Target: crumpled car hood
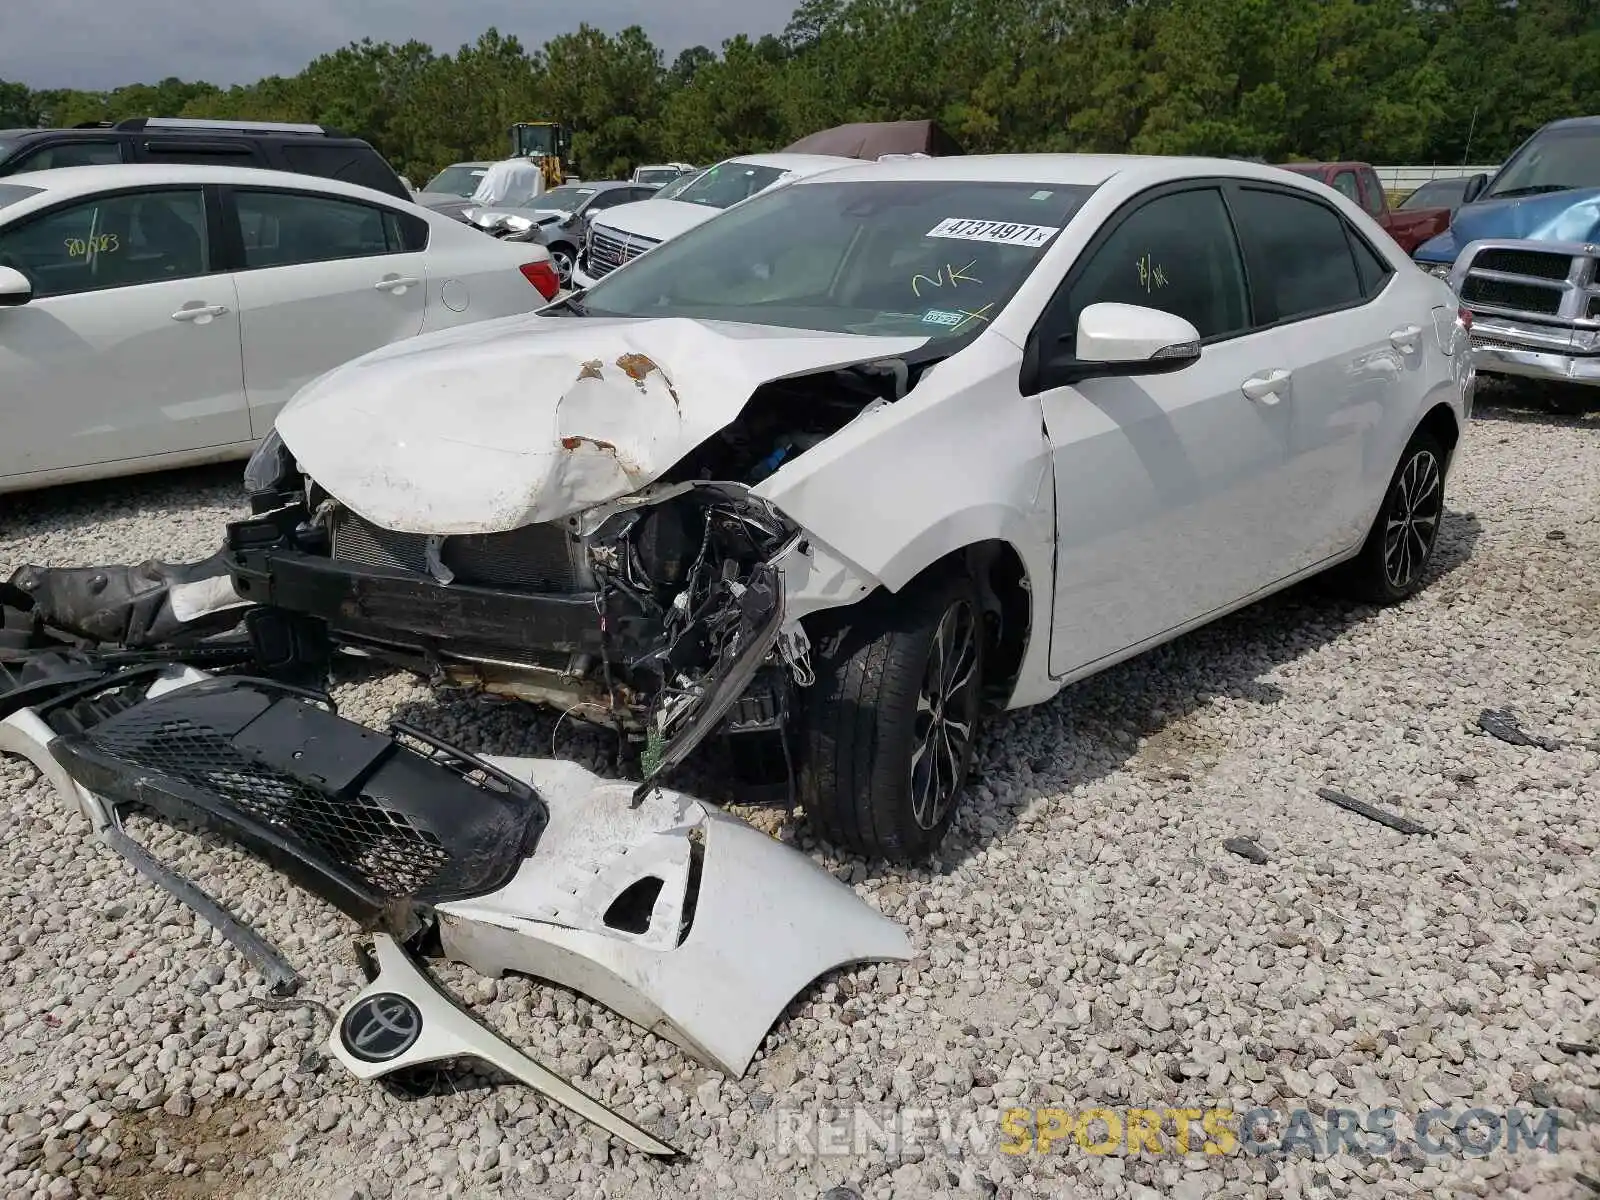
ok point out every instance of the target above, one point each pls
(1570, 216)
(527, 419)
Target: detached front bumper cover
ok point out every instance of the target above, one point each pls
(679, 917)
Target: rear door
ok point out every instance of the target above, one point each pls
(1318, 290)
(130, 345)
(323, 279)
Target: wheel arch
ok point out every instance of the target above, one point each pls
(1440, 423)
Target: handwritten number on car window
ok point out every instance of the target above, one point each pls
(87, 248)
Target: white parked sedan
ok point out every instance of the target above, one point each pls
(156, 316)
(874, 455)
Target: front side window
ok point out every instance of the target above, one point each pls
(1556, 160)
(935, 258)
(1300, 259)
(725, 184)
(283, 229)
(1176, 253)
(113, 241)
(71, 154)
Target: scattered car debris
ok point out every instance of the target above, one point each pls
(1578, 1047)
(1245, 848)
(1500, 723)
(675, 915)
(1373, 813)
(1556, 535)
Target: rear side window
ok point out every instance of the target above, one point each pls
(69, 154)
(202, 152)
(360, 165)
(1299, 256)
(1176, 253)
(284, 229)
(1371, 193)
(1370, 265)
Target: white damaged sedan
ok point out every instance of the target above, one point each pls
(874, 455)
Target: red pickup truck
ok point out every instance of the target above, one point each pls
(1360, 182)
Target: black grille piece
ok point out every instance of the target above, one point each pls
(1538, 263)
(535, 558)
(1517, 297)
(359, 817)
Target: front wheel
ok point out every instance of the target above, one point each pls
(891, 722)
(562, 256)
(1394, 559)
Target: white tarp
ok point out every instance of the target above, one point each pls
(514, 181)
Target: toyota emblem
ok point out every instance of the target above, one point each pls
(381, 1027)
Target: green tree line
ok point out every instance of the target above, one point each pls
(1386, 81)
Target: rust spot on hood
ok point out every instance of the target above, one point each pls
(637, 366)
(591, 370)
(572, 443)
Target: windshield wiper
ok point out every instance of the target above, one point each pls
(1536, 189)
(571, 304)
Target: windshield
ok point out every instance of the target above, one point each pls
(728, 183)
(661, 175)
(10, 193)
(563, 199)
(924, 257)
(674, 189)
(1441, 193)
(459, 180)
(1554, 161)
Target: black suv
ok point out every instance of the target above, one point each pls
(303, 149)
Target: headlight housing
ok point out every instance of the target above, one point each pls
(271, 468)
(1438, 270)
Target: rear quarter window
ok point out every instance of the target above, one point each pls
(356, 164)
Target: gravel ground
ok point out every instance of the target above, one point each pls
(1086, 941)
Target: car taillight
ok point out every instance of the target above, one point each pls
(543, 276)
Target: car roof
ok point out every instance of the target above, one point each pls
(1574, 123)
(61, 183)
(791, 162)
(1088, 170)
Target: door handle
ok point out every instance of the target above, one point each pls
(1266, 387)
(396, 283)
(1405, 339)
(200, 314)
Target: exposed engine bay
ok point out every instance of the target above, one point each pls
(660, 614)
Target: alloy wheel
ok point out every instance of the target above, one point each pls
(947, 711)
(563, 262)
(1411, 524)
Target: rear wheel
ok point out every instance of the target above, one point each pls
(562, 256)
(891, 722)
(1394, 560)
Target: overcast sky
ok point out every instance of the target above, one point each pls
(102, 43)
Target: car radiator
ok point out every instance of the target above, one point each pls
(535, 558)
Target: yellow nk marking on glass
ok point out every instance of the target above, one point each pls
(954, 275)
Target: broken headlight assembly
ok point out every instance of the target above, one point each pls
(271, 469)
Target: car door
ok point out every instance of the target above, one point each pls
(1317, 288)
(129, 346)
(1167, 486)
(324, 278)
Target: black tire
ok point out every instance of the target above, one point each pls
(1569, 400)
(1393, 563)
(866, 735)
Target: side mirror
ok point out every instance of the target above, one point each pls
(1129, 339)
(15, 288)
(1475, 187)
